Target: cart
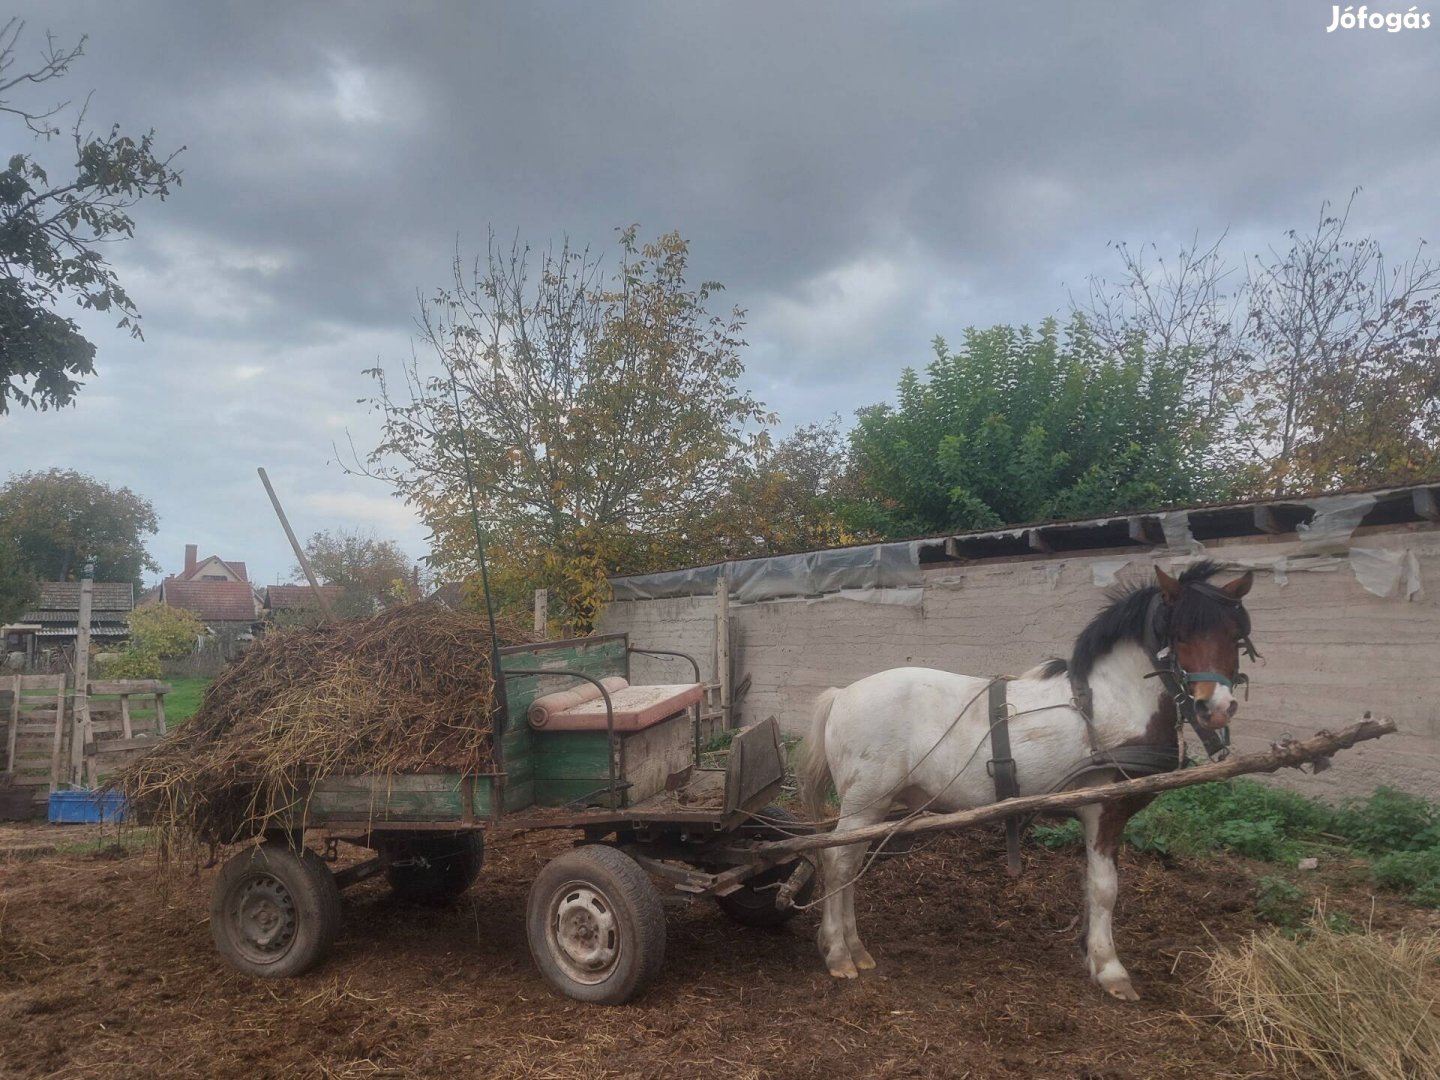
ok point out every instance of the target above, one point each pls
(623, 768)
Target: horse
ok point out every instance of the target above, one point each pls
(921, 739)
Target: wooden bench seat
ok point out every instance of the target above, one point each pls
(635, 707)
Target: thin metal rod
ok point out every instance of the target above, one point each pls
(500, 715)
(295, 546)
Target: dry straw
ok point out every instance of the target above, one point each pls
(407, 691)
(1346, 1005)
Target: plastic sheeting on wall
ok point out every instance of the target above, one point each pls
(1336, 517)
(1386, 573)
(808, 574)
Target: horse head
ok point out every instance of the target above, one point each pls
(1205, 628)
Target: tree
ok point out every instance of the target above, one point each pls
(52, 232)
(1321, 366)
(18, 586)
(601, 416)
(374, 573)
(59, 519)
(157, 632)
(796, 495)
(1022, 426)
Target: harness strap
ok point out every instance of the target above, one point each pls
(1001, 767)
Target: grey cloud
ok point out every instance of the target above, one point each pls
(981, 155)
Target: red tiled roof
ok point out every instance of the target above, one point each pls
(212, 601)
(281, 597)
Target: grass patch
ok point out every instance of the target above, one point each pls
(183, 701)
(1397, 833)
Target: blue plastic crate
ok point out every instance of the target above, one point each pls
(86, 807)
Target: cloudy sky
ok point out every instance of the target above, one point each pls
(861, 177)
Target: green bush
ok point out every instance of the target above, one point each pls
(1390, 820)
(1239, 816)
(133, 663)
(1416, 873)
(1278, 902)
(1065, 834)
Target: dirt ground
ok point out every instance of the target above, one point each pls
(103, 975)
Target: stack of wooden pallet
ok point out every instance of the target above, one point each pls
(54, 739)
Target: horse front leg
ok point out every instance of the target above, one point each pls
(1103, 828)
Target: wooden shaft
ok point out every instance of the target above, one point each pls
(1279, 756)
(722, 652)
(295, 545)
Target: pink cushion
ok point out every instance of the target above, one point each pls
(543, 708)
(635, 708)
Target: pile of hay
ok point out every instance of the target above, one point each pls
(407, 691)
(1347, 1005)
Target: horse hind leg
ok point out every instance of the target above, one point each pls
(839, 938)
(1102, 835)
(858, 953)
(833, 938)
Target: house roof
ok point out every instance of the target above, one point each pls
(447, 594)
(105, 596)
(282, 597)
(211, 601)
(234, 566)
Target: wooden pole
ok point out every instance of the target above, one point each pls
(295, 546)
(542, 613)
(722, 652)
(80, 712)
(1279, 756)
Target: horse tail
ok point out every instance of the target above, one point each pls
(814, 767)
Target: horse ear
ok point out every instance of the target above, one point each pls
(1169, 587)
(1241, 585)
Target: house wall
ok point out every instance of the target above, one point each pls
(1331, 650)
(214, 567)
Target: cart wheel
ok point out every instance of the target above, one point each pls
(596, 927)
(753, 904)
(430, 869)
(275, 911)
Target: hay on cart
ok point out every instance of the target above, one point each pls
(407, 691)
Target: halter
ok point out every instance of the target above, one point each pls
(1178, 681)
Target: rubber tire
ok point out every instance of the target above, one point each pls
(633, 902)
(311, 888)
(751, 907)
(455, 861)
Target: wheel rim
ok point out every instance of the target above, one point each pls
(263, 921)
(584, 932)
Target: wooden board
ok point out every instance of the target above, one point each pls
(427, 797)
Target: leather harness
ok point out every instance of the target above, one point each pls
(1130, 761)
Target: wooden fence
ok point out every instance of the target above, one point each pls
(56, 738)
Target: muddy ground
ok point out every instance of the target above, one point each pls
(102, 975)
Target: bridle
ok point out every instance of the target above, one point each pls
(1160, 647)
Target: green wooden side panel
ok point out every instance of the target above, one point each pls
(519, 796)
(528, 754)
(428, 797)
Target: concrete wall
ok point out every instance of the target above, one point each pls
(1331, 649)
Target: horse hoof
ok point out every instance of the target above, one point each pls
(864, 961)
(845, 971)
(1122, 990)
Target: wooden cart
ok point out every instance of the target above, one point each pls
(630, 778)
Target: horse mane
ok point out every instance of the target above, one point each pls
(1123, 619)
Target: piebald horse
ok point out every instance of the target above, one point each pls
(919, 738)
